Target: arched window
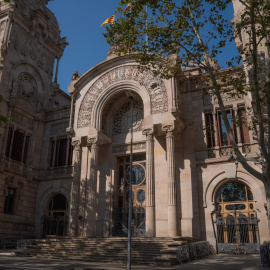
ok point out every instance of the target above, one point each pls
(234, 196)
(236, 220)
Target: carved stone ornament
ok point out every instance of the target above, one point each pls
(59, 128)
(27, 86)
(126, 147)
(154, 86)
(92, 140)
(149, 133)
(22, 120)
(122, 118)
(168, 128)
(77, 145)
(211, 99)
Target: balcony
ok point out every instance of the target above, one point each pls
(226, 151)
(57, 172)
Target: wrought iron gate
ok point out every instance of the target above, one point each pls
(55, 222)
(237, 232)
(121, 197)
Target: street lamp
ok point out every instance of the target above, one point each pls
(131, 98)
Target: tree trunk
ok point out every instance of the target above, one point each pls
(267, 193)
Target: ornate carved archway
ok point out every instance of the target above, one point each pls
(154, 86)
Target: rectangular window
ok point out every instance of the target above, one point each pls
(224, 139)
(244, 131)
(10, 132)
(52, 153)
(27, 139)
(70, 154)
(9, 201)
(17, 146)
(61, 152)
(210, 131)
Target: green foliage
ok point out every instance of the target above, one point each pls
(169, 26)
(170, 34)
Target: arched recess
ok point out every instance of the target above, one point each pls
(115, 90)
(55, 220)
(210, 193)
(124, 75)
(30, 69)
(42, 202)
(27, 82)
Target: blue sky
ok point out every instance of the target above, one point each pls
(80, 22)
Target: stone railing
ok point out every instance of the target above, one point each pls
(226, 151)
(16, 166)
(194, 251)
(64, 171)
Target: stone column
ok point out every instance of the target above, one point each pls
(150, 224)
(172, 199)
(91, 188)
(75, 189)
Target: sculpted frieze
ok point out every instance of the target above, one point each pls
(126, 147)
(20, 119)
(211, 99)
(59, 128)
(154, 86)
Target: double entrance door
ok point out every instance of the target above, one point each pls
(121, 196)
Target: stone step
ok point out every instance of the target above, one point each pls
(98, 249)
(165, 261)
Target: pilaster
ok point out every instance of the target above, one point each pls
(75, 189)
(150, 224)
(91, 187)
(172, 199)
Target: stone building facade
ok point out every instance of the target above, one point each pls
(69, 172)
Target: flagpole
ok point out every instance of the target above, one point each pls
(146, 36)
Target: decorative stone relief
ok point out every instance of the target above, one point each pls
(18, 118)
(122, 119)
(27, 86)
(59, 128)
(158, 94)
(246, 149)
(211, 99)
(126, 147)
(2, 30)
(226, 151)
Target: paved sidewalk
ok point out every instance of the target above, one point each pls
(217, 262)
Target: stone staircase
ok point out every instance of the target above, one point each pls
(113, 249)
(168, 256)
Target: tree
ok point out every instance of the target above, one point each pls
(179, 32)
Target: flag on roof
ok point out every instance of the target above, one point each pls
(127, 8)
(110, 20)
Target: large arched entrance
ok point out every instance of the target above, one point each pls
(56, 220)
(236, 219)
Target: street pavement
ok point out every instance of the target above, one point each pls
(214, 262)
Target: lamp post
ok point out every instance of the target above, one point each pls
(131, 98)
